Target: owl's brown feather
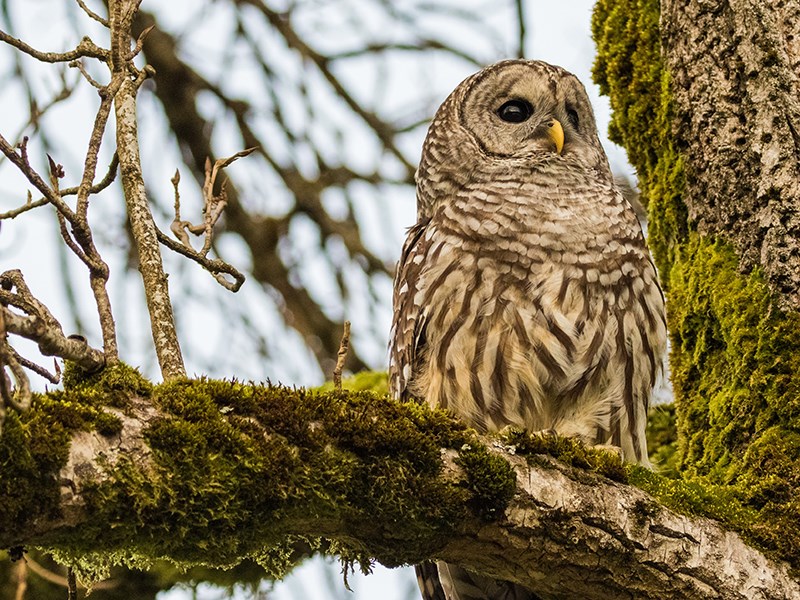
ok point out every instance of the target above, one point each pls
(525, 294)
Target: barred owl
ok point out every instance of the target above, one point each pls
(525, 293)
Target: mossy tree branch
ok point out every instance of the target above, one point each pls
(211, 472)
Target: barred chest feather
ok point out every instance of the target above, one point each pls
(537, 321)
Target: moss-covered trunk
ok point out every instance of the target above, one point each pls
(706, 99)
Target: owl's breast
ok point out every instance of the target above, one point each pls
(520, 332)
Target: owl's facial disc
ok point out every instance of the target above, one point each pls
(532, 111)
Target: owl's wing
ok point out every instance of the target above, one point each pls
(408, 321)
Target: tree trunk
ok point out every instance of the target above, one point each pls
(706, 99)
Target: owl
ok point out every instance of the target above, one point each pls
(525, 295)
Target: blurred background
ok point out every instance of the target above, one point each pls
(336, 95)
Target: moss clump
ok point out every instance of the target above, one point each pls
(111, 386)
(490, 478)
(698, 498)
(34, 445)
(629, 71)
(735, 356)
(662, 439)
(372, 381)
(236, 467)
(570, 451)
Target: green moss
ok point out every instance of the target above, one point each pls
(629, 71)
(662, 439)
(570, 451)
(697, 498)
(34, 445)
(490, 478)
(240, 470)
(735, 356)
(373, 381)
(111, 386)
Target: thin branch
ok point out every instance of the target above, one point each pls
(77, 64)
(72, 584)
(520, 28)
(92, 15)
(30, 204)
(60, 580)
(213, 206)
(107, 96)
(53, 378)
(417, 46)
(21, 162)
(344, 346)
(85, 49)
(139, 43)
(37, 112)
(382, 130)
(83, 243)
(21, 570)
(19, 395)
(145, 232)
(39, 325)
(216, 266)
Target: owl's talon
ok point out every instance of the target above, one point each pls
(548, 434)
(611, 449)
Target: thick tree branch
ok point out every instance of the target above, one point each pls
(213, 472)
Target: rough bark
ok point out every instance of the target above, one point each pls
(566, 533)
(735, 72)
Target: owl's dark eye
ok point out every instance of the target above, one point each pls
(515, 111)
(572, 115)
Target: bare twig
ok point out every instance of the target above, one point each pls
(30, 204)
(139, 43)
(60, 580)
(37, 112)
(421, 44)
(20, 160)
(21, 570)
(85, 49)
(77, 64)
(39, 325)
(92, 15)
(213, 205)
(107, 96)
(382, 130)
(521, 33)
(83, 242)
(18, 395)
(38, 369)
(217, 267)
(344, 346)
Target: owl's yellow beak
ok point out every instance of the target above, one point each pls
(556, 133)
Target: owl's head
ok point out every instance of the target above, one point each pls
(515, 113)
